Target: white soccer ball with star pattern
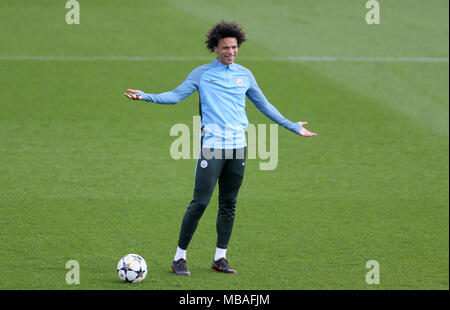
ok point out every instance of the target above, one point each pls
(132, 268)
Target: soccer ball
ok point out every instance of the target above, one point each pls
(132, 268)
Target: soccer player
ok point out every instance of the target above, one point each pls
(222, 86)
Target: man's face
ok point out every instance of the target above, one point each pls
(226, 50)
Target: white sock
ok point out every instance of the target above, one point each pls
(180, 254)
(220, 253)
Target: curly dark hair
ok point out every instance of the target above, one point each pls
(224, 30)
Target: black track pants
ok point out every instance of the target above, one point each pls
(227, 168)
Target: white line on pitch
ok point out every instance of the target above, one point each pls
(244, 58)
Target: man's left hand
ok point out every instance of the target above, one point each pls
(305, 132)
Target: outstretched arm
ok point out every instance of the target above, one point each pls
(178, 94)
(255, 94)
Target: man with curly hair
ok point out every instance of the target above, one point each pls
(222, 86)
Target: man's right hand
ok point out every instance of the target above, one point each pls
(131, 93)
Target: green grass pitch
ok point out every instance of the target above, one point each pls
(86, 174)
